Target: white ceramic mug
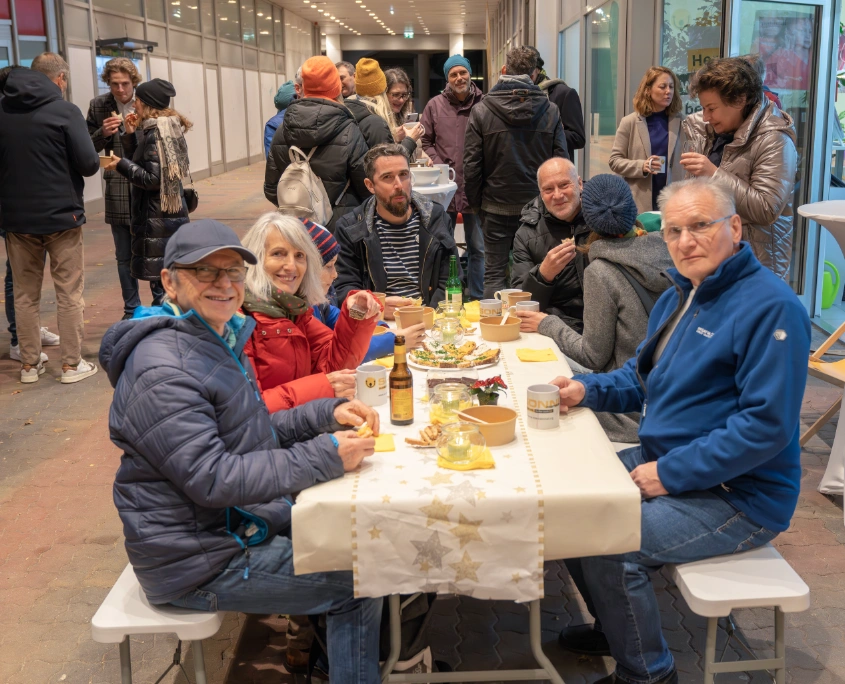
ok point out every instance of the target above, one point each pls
(504, 294)
(447, 173)
(371, 384)
(527, 306)
(543, 407)
(410, 126)
(491, 307)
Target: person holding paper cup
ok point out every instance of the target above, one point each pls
(647, 140)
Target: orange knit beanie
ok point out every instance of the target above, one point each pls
(320, 78)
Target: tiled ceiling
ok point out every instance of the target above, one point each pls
(393, 17)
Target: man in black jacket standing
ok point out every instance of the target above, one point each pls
(569, 104)
(45, 152)
(510, 133)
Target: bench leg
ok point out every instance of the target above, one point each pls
(393, 601)
(710, 650)
(125, 662)
(199, 662)
(780, 646)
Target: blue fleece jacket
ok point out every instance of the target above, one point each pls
(380, 345)
(720, 409)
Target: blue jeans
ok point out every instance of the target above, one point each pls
(475, 253)
(617, 589)
(353, 624)
(129, 285)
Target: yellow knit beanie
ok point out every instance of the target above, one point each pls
(369, 78)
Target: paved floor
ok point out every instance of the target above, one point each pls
(61, 541)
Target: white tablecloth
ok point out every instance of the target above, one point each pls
(442, 193)
(591, 506)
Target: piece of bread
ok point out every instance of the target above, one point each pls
(117, 115)
(416, 442)
(365, 431)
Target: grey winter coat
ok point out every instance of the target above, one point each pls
(197, 439)
(759, 166)
(615, 322)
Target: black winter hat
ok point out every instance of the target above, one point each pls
(155, 93)
(608, 206)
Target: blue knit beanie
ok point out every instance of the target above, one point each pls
(456, 60)
(608, 206)
(284, 95)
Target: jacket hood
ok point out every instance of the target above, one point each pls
(516, 102)
(314, 121)
(549, 83)
(474, 96)
(764, 118)
(27, 90)
(359, 109)
(646, 257)
(121, 339)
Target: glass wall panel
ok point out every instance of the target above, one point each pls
(692, 35)
(4, 57)
(155, 10)
(5, 12)
(30, 18)
(838, 162)
(603, 54)
(30, 49)
(228, 20)
(248, 21)
(185, 14)
(207, 14)
(123, 6)
(278, 29)
(264, 24)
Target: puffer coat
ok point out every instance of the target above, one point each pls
(329, 126)
(615, 320)
(197, 439)
(151, 227)
(291, 358)
(759, 166)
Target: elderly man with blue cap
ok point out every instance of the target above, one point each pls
(207, 476)
(445, 120)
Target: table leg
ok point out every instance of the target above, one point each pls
(125, 662)
(395, 636)
(536, 635)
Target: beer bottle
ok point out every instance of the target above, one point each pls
(454, 288)
(401, 385)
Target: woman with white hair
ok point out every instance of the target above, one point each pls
(297, 358)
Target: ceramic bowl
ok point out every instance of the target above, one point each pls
(428, 175)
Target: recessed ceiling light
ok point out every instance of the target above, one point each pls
(313, 6)
(372, 14)
(331, 17)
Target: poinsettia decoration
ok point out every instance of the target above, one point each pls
(488, 390)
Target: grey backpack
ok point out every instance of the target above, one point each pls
(300, 191)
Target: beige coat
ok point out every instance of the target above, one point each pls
(759, 167)
(632, 147)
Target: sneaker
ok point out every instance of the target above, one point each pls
(15, 354)
(30, 373)
(83, 370)
(584, 640)
(48, 339)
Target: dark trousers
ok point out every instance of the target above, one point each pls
(499, 232)
(10, 304)
(128, 285)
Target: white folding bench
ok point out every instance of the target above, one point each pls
(126, 611)
(759, 578)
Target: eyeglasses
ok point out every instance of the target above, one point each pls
(399, 96)
(697, 230)
(209, 274)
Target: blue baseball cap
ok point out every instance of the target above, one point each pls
(196, 240)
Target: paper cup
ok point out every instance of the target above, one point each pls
(411, 315)
(518, 296)
(543, 407)
(381, 298)
(371, 384)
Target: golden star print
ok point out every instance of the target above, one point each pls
(435, 511)
(467, 530)
(439, 478)
(465, 569)
(375, 533)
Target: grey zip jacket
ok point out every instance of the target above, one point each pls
(759, 167)
(615, 321)
(197, 440)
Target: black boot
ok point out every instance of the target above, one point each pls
(584, 640)
(671, 678)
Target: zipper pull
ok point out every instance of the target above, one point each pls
(645, 407)
(246, 569)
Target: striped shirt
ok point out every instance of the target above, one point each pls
(400, 251)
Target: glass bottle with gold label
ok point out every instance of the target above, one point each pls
(401, 385)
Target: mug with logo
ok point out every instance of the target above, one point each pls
(490, 307)
(543, 404)
(371, 384)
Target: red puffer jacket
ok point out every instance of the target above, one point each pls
(291, 358)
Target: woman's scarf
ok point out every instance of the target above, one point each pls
(280, 305)
(173, 160)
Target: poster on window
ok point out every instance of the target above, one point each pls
(784, 41)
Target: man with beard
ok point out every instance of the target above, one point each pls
(346, 71)
(445, 120)
(396, 242)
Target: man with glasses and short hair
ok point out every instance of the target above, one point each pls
(207, 477)
(718, 382)
(105, 125)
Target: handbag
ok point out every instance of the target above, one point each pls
(192, 197)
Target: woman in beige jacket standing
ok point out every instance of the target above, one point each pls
(644, 151)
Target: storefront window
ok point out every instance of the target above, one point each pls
(228, 20)
(603, 53)
(838, 117)
(185, 14)
(692, 35)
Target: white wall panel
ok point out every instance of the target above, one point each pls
(190, 101)
(158, 68)
(256, 119)
(234, 114)
(214, 116)
(82, 92)
(268, 92)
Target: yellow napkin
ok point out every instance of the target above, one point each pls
(417, 301)
(472, 311)
(535, 355)
(384, 442)
(481, 458)
(386, 361)
(466, 324)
